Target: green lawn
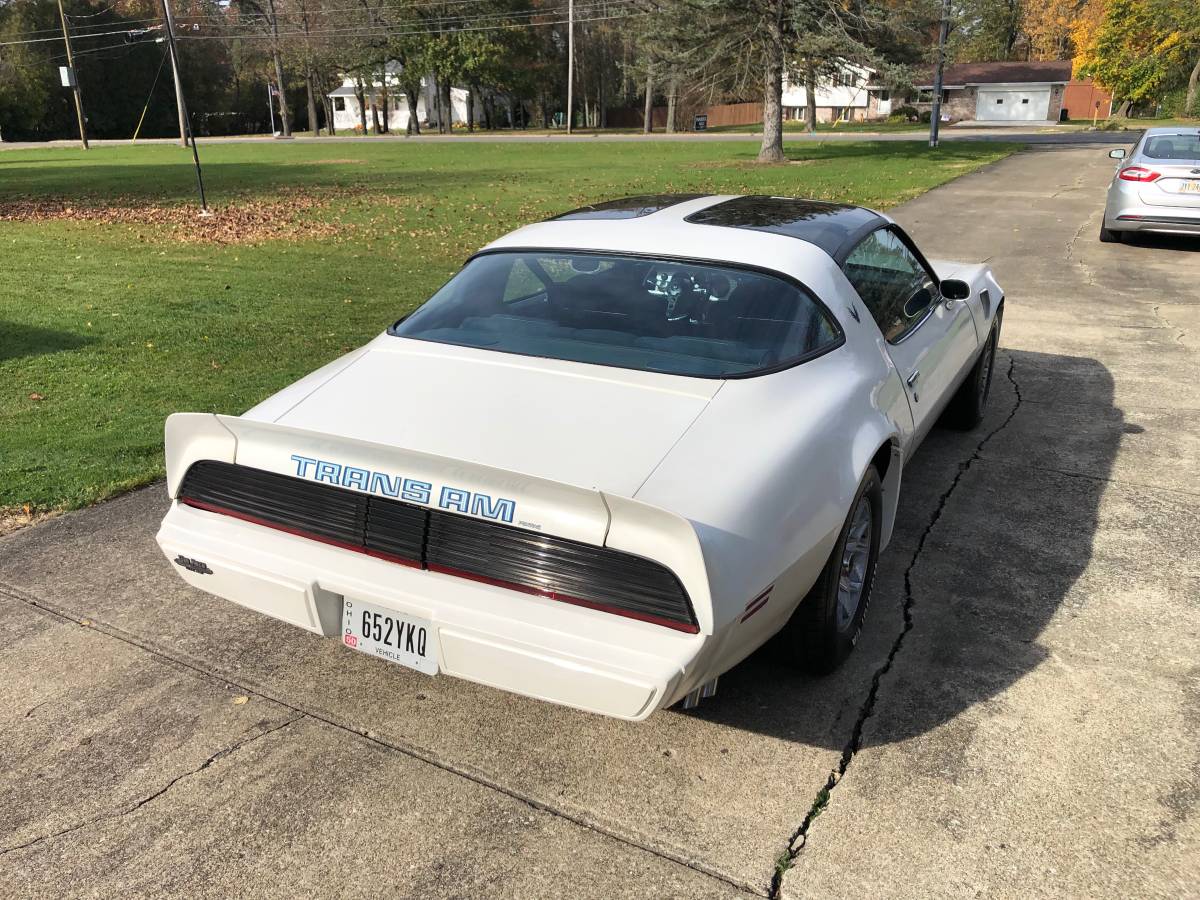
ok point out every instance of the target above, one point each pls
(106, 327)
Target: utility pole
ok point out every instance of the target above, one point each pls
(570, 63)
(74, 78)
(935, 114)
(179, 104)
(188, 137)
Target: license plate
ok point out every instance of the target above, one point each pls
(390, 635)
(1190, 187)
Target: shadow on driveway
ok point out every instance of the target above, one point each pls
(986, 578)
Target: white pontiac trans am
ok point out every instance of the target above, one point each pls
(612, 456)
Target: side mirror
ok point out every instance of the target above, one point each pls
(955, 289)
(1119, 153)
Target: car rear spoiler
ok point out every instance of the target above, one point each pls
(523, 501)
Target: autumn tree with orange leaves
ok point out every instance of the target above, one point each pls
(1137, 49)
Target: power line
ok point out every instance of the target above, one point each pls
(615, 10)
(419, 28)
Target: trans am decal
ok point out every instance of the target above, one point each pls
(454, 499)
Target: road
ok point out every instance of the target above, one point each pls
(1020, 719)
(1019, 134)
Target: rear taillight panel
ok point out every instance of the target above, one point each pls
(1140, 174)
(487, 552)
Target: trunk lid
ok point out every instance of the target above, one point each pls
(590, 427)
(1177, 185)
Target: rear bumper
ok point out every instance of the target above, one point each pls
(1125, 216)
(525, 644)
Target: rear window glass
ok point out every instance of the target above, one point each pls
(1173, 146)
(655, 315)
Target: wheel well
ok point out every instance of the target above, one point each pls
(882, 460)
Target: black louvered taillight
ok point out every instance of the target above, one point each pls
(557, 567)
(515, 558)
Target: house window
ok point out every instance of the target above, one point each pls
(999, 100)
(885, 95)
(1024, 99)
(926, 96)
(339, 103)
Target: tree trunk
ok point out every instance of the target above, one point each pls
(448, 103)
(383, 98)
(374, 112)
(326, 101)
(414, 122)
(471, 89)
(512, 113)
(810, 98)
(1191, 105)
(313, 125)
(672, 102)
(771, 150)
(361, 95)
(1123, 109)
(285, 120)
(648, 116)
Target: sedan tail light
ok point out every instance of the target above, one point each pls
(1138, 173)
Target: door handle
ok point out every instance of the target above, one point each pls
(912, 379)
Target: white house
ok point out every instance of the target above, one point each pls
(849, 96)
(346, 114)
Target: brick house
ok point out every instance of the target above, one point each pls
(999, 91)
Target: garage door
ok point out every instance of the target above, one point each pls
(1013, 105)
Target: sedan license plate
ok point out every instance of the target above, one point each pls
(385, 633)
(1190, 187)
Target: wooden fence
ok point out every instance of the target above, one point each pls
(719, 114)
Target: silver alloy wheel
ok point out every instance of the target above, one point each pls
(985, 383)
(855, 556)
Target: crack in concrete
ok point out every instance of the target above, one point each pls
(788, 858)
(1170, 326)
(150, 798)
(34, 709)
(1088, 273)
(636, 840)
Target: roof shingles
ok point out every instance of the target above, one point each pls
(1032, 72)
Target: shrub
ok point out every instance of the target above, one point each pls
(908, 113)
(925, 116)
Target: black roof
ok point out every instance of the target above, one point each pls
(834, 227)
(625, 208)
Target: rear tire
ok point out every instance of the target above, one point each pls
(823, 630)
(969, 402)
(1110, 237)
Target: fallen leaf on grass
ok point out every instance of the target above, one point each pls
(36, 396)
(244, 221)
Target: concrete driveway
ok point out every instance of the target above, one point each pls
(1022, 717)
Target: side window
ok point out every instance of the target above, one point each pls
(892, 283)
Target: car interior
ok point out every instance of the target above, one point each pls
(1182, 147)
(655, 315)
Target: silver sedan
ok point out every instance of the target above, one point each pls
(1157, 186)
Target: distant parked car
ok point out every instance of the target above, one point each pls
(1157, 187)
(612, 456)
